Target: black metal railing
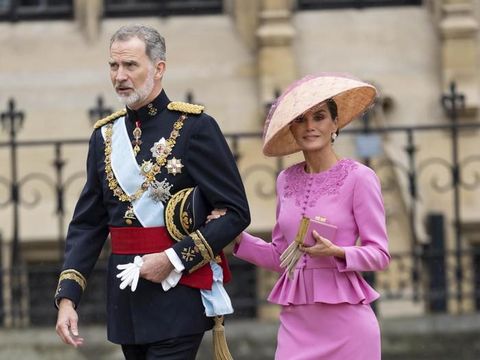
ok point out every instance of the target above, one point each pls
(393, 284)
(415, 274)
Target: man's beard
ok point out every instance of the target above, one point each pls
(140, 94)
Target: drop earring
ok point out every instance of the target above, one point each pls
(333, 136)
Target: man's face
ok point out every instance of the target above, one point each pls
(132, 72)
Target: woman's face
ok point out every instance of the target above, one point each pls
(313, 129)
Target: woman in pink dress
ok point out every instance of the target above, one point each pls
(326, 312)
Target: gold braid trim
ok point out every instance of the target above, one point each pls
(184, 219)
(109, 118)
(207, 245)
(185, 107)
(71, 274)
(203, 251)
(170, 214)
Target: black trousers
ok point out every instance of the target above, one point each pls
(180, 348)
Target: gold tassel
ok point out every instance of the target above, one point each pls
(291, 255)
(289, 258)
(220, 347)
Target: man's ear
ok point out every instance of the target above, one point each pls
(160, 69)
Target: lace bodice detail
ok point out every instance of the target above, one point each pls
(307, 188)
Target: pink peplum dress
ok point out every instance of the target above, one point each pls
(325, 306)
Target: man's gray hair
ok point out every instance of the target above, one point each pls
(154, 42)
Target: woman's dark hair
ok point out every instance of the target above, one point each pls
(332, 107)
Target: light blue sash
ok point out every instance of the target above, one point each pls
(125, 167)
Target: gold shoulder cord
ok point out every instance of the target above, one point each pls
(185, 107)
(109, 118)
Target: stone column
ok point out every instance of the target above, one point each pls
(460, 50)
(88, 14)
(245, 17)
(275, 57)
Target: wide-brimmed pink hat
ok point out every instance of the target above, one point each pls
(353, 97)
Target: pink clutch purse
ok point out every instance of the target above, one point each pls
(289, 258)
(305, 236)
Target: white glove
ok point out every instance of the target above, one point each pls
(130, 273)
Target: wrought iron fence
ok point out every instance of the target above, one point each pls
(432, 274)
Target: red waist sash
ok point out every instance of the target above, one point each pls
(147, 240)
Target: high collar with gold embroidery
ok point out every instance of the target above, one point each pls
(149, 111)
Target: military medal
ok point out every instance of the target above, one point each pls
(137, 134)
(174, 166)
(159, 148)
(148, 169)
(129, 215)
(160, 191)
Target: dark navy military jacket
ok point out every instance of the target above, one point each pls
(150, 314)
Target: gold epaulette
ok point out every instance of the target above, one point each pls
(109, 118)
(185, 107)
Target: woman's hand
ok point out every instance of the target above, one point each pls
(323, 247)
(215, 214)
(238, 239)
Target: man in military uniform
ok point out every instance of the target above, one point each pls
(137, 160)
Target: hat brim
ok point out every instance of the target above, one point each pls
(352, 96)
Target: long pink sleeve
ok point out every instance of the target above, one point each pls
(261, 253)
(369, 214)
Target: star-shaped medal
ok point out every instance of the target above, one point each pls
(159, 148)
(174, 166)
(160, 191)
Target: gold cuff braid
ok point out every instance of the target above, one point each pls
(206, 244)
(203, 247)
(74, 275)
